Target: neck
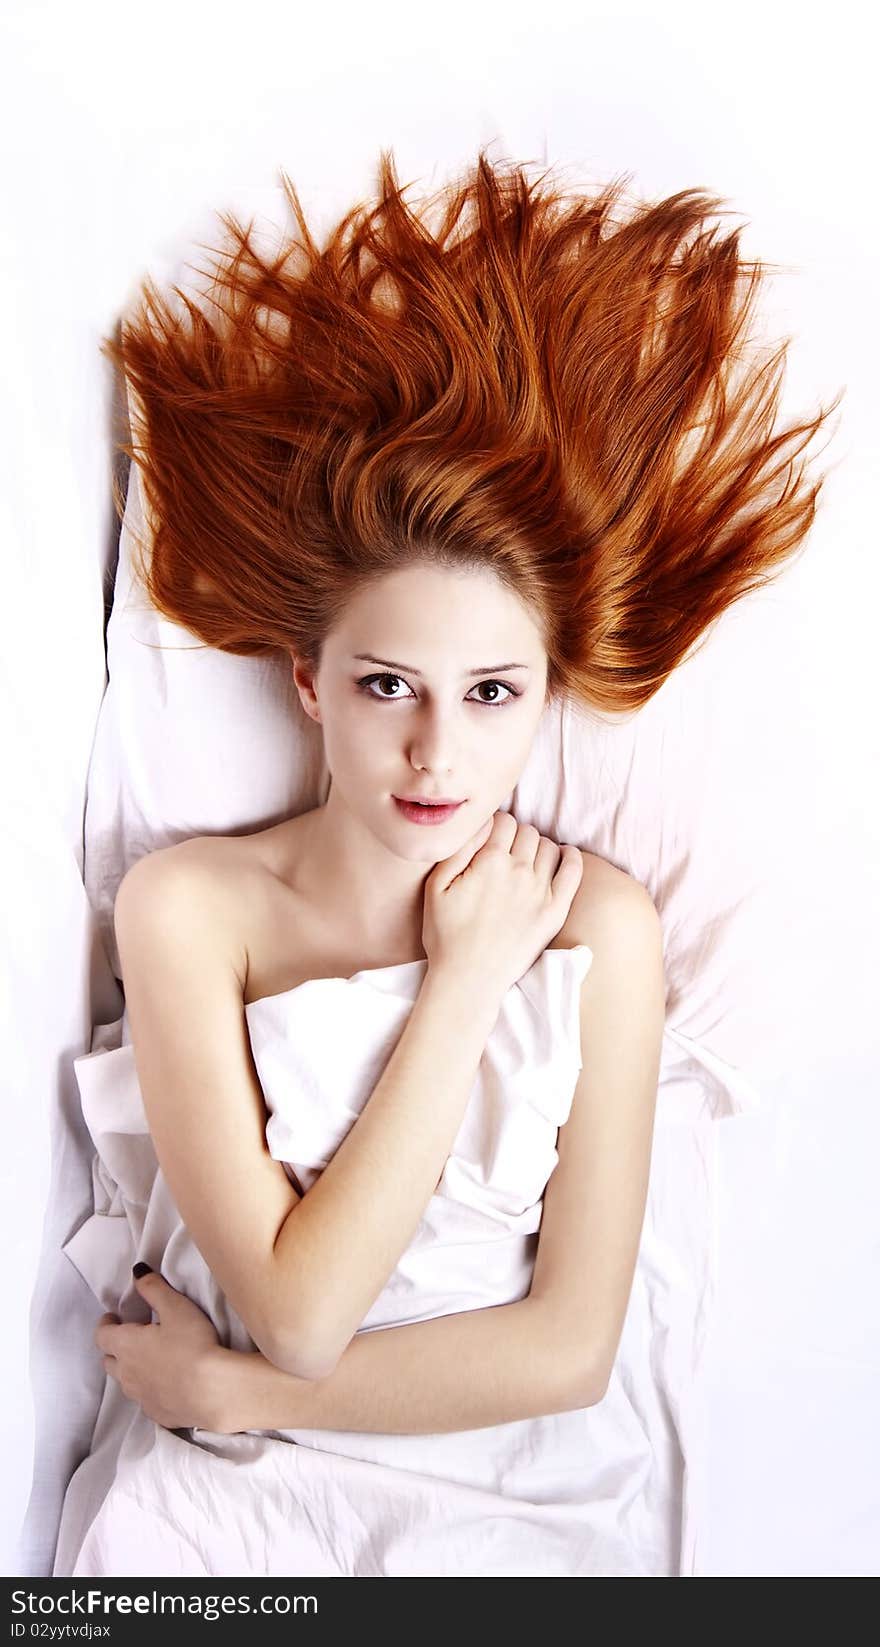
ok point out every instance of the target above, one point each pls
(367, 891)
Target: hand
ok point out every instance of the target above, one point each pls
(491, 909)
(165, 1367)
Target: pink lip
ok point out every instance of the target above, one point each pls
(435, 813)
(429, 800)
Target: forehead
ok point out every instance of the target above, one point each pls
(443, 614)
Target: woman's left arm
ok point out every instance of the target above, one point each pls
(453, 1372)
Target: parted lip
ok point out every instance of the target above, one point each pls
(429, 800)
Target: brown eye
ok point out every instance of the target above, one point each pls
(366, 684)
(369, 681)
(495, 684)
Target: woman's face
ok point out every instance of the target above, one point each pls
(431, 685)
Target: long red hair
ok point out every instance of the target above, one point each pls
(522, 387)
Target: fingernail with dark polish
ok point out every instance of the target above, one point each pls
(138, 1270)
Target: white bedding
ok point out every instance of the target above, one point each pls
(167, 765)
(742, 797)
(609, 1490)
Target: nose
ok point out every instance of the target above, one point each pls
(432, 745)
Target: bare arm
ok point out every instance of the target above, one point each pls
(554, 1350)
(594, 1204)
(455, 1372)
(301, 1272)
(343, 1239)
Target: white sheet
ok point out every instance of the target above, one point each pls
(576, 1493)
(758, 773)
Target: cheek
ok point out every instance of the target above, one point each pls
(356, 743)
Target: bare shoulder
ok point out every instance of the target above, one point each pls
(197, 885)
(624, 991)
(177, 864)
(608, 900)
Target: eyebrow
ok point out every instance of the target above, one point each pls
(408, 668)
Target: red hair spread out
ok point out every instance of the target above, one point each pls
(524, 386)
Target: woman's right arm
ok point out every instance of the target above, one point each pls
(301, 1272)
(343, 1240)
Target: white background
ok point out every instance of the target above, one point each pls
(124, 127)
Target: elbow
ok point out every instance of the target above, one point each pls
(301, 1363)
(304, 1343)
(597, 1392)
(597, 1381)
(300, 1355)
(585, 1392)
(298, 1347)
(589, 1385)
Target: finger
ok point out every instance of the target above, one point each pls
(548, 856)
(525, 843)
(445, 872)
(156, 1291)
(569, 872)
(110, 1335)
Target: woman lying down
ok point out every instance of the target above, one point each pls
(397, 1057)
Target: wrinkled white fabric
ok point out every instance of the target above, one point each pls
(592, 1492)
